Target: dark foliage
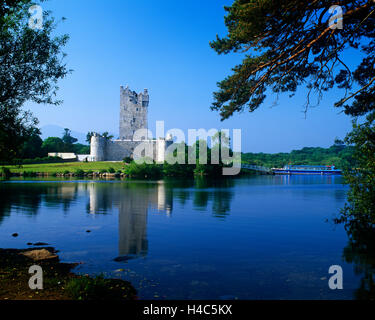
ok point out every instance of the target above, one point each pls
(339, 155)
(30, 67)
(288, 44)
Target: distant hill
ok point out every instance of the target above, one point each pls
(339, 155)
(57, 131)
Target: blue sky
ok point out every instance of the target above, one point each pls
(164, 46)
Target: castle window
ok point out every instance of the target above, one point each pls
(137, 109)
(133, 120)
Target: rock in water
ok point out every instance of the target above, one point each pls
(41, 254)
(40, 244)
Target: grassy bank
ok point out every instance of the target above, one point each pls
(112, 170)
(59, 283)
(67, 166)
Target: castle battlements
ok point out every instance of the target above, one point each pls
(141, 99)
(133, 112)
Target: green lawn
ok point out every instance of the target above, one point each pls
(70, 166)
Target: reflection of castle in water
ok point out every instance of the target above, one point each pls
(133, 202)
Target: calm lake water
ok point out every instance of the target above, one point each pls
(259, 237)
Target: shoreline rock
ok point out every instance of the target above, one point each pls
(59, 282)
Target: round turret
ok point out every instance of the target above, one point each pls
(98, 147)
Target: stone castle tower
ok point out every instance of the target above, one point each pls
(133, 112)
(133, 116)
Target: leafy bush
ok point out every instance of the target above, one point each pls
(143, 170)
(42, 160)
(127, 159)
(66, 172)
(111, 170)
(79, 173)
(98, 288)
(359, 211)
(29, 174)
(5, 172)
(103, 171)
(38, 160)
(199, 169)
(178, 170)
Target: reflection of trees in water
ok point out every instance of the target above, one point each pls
(132, 199)
(61, 195)
(358, 217)
(221, 203)
(16, 197)
(200, 182)
(203, 191)
(220, 199)
(182, 196)
(217, 191)
(201, 198)
(359, 211)
(27, 197)
(360, 251)
(203, 183)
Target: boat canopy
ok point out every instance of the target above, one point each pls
(309, 167)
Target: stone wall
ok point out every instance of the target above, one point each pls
(63, 155)
(117, 150)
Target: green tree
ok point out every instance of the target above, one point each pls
(79, 148)
(30, 67)
(107, 135)
(361, 178)
(32, 147)
(221, 145)
(289, 43)
(67, 137)
(68, 140)
(53, 144)
(339, 142)
(16, 128)
(88, 136)
(292, 43)
(339, 155)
